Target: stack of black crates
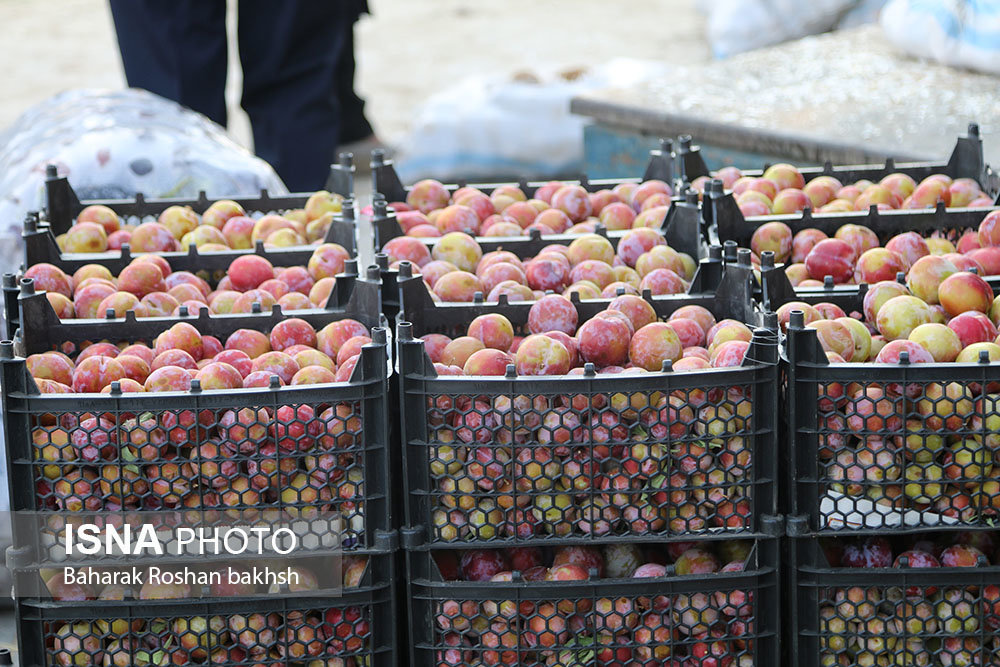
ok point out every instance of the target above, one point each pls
(309, 458)
(783, 511)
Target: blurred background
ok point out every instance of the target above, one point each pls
(456, 88)
(407, 50)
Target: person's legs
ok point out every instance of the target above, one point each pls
(289, 52)
(176, 49)
(353, 124)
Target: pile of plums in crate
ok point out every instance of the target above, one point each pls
(557, 208)
(592, 463)
(855, 255)
(301, 457)
(455, 268)
(149, 288)
(782, 189)
(930, 446)
(224, 225)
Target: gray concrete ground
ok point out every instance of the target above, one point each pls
(407, 50)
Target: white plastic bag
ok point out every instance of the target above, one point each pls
(507, 125)
(113, 144)
(735, 26)
(963, 33)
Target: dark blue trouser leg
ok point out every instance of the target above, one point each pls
(354, 126)
(290, 52)
(176, 49)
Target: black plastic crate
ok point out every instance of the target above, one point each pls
(905, 614)
(776, 289)
(386, 182)
(725, 277)
(682, 228)
(40, 246)
(721, 618)
(63, 205)
(42, 329)
(888, 448)
(730, 225)
(307, 451)
(593, 428)
(966, 161)
(682, 231)
(355, 626)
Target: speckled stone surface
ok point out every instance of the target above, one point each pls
(850, 88)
